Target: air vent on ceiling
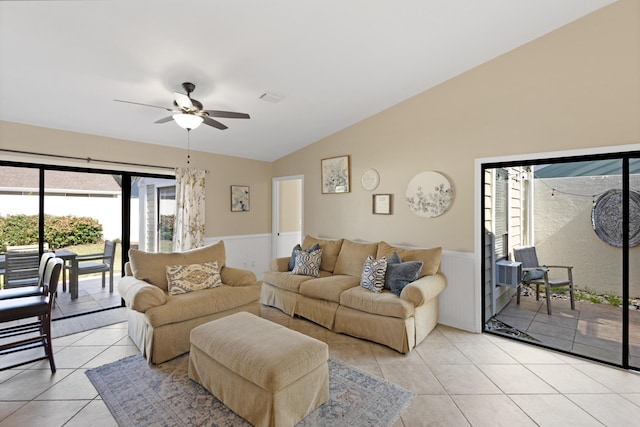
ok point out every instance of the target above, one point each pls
(270, 97)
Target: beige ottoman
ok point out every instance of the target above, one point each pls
(265, 372)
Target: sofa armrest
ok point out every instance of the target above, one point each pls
(237, 277)
(424, 289)
(139, 295)
(279, 264)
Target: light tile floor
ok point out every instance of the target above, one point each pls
(459, 379)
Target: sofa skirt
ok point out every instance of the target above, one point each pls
(168, 341)
(399, 334)
(282, 299)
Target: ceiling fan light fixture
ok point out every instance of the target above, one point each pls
(188, 121)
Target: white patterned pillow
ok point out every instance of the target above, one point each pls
(193, 277)
(373, 274)
(308, 263)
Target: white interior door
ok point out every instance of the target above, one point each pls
(288, 214)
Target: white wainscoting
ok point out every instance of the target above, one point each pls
(457, 305)
(250, 251)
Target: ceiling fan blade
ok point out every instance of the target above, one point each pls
(144, 105)
(164, 120)
(183, 101)
(227, 114)
(216, 124)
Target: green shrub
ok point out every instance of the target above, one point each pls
(59, 231)
(166, 227)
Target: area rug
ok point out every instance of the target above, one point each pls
(139, 394)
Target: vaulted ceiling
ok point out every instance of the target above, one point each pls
(331, 63)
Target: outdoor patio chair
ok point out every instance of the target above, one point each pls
(96, 263)
(22, 268)
(17, 336)
(535, 274)
(31, 290)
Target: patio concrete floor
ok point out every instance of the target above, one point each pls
(593, 330)
(91, 297)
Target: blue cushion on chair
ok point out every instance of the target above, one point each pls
(530, 275)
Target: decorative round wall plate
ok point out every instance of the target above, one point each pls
(606, 218)
(429, 194)
(370, 179)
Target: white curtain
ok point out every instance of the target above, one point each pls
(188, 228)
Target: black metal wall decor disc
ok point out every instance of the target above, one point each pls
(606, 218)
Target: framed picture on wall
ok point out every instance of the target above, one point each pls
(382, 204)
(239, 198)
(335, 175)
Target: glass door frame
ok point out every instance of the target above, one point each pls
(625, 157)
(125, 187)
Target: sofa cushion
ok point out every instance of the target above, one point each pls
(287, 281)
(328, 288)
(383, 304)
(430, 257)
(307, 263)
(352, 257)
(192, 305)
(192, 277)
(330, 251)
(151, 267)
(296, 248)
(373, 274)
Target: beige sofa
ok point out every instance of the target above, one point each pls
(160, 323)
(336, 300)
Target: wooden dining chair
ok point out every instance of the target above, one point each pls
(16, 335)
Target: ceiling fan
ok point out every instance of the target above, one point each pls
(188, 113)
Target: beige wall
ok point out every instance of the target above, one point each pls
(578, 87)
(224, 171)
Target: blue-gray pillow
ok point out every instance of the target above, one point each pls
(292, 260)
(532, 275)
(399, 274)
(393, 259)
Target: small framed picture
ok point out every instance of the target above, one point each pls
(335, 175)
(239, 198)
(382, 204)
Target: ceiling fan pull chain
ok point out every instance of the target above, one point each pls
(188, 146)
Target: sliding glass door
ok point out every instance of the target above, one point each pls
(80, 213)
(571, 215)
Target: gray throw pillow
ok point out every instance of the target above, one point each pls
(532, 275)
(399, 274)
(292, 260)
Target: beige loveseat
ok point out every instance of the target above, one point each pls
(160, 323)
(336, 300)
